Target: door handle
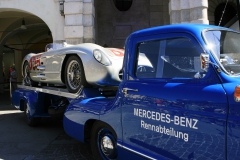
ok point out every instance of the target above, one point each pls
(125, 90)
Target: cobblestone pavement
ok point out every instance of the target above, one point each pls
(65, 148)
(48, 141)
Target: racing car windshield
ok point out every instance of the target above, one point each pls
(225, 46)
(53, 46)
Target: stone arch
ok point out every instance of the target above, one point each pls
(14, 32)
(216, 7)
(36, 38)
(40, 9)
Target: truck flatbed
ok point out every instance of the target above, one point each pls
(51, 90)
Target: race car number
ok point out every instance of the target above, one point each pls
(118, 52)
(34, 62)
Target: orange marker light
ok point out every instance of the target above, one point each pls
(237, 93)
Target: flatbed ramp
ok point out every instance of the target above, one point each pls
(51, 90)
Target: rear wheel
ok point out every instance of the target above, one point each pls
(74, 74)
(103, 142)
(26, 76)
(31, 121)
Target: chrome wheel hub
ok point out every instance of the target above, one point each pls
(26, 76)
(74, 75)
(107, 145)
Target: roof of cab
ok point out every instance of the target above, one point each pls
(190, 28)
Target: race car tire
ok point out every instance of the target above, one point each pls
(26, 76)
(31, 121)
(74, 74)
(103, 142)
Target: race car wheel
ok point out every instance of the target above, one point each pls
(26, 76)
(103, 142)
(31, 121)
(74, 74)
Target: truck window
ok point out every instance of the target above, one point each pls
(170, 58)
(224, 46)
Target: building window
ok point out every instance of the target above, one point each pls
(123, 5)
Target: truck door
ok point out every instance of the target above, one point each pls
(172, 109)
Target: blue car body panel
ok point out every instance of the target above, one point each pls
(32, 98)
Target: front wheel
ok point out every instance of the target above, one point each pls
(31, 121)
(103, 142)
(74, 74)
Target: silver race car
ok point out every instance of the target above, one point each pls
(84, 64)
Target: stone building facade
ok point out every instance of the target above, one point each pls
(113, 26)
(97, 21)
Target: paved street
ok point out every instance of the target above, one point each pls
(18, 141)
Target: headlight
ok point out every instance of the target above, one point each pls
(98, 55)
(101, 57)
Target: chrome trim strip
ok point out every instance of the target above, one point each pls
(51, 90)
(138, 153)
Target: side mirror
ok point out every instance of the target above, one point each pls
(204, 58)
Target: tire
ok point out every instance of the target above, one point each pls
(74, 74)
(26, 76)
(103, 133)
(31, 121)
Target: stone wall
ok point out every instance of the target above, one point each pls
(113, 26)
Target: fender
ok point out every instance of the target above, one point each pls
(79, 112)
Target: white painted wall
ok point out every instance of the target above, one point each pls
(47, 10)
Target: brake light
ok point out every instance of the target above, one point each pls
(237, 93)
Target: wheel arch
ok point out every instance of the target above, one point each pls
(26, 59)
(64, 64)
(89, 126)
(88, 129)
(23, 63)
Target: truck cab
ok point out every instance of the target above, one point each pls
(184, 109)
(181, 101)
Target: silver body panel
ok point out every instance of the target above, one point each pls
(50, 65)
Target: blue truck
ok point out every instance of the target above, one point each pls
(182, 104)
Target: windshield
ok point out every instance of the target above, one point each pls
(225, 46)
(53, 46)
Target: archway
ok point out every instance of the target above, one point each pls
(17, 41)
(224, 13)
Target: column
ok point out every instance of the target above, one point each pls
(198, 11)
(175, 11)
(18, 64)
(1, 72)
(188, 11)
(88, 21)
(185, 11)
(79, 21)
